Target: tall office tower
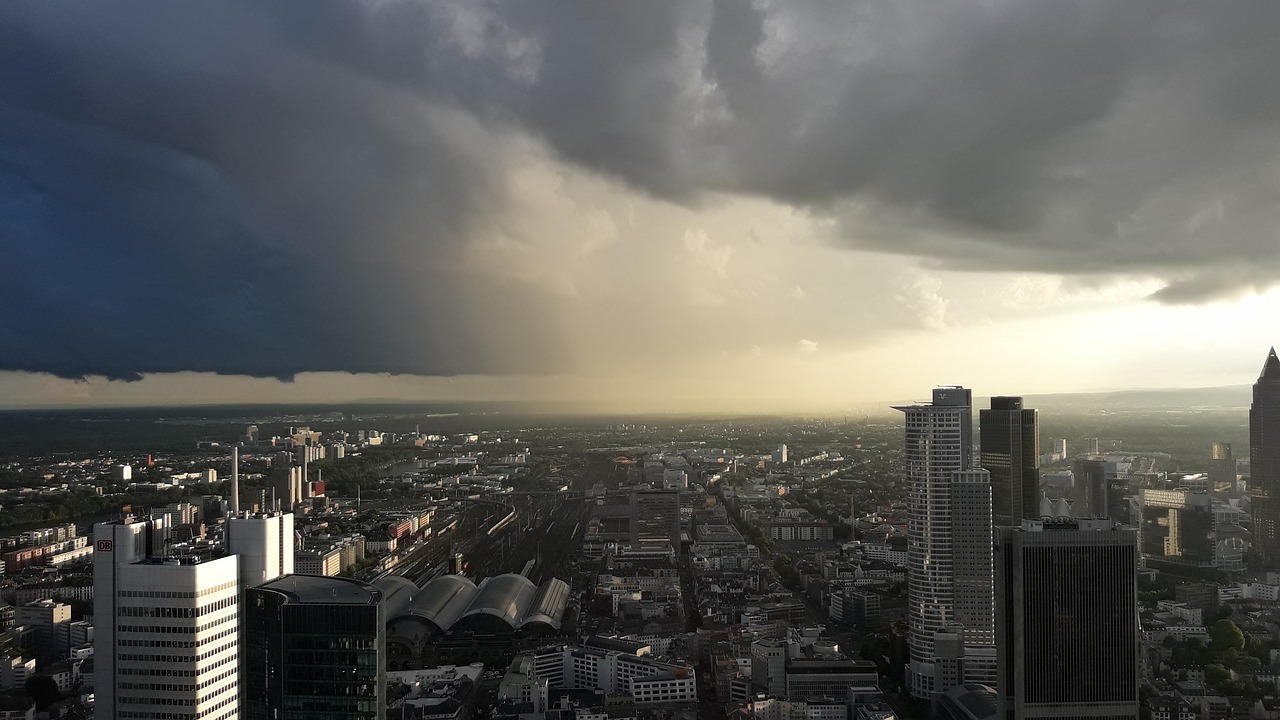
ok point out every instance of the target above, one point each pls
(1092, 498)
(1264, 460)
(971, 557)
(1067, 620)
(1222, 467)
(655, 518)
(937, 468)
(1010, 444)
(265, 544)
(166, 641)
(315, 648)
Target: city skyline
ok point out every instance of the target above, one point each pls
(436, 201)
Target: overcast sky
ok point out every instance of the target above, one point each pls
(634, 206)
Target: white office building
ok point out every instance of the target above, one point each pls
(648, 681)
(948, 538)
(166, 635)
(265, 543)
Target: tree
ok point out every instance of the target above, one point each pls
(1215, 675)
(1225, 635)
(44, 690)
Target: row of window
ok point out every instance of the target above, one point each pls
(176, 612)
(178, 594)
(130, 642)
(163, 687)
(156, 701)
(136, 657)
(219, 677)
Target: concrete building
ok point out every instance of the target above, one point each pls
(655, 518)
(168, 638)
(1067, 620)
(264, 543)
(647, 680)
(48, 621)
(938, 471)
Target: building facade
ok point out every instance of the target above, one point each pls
(1009, 438)
(1264, 461)
(1067, 620)
(315, 650)
(938, 471)
(167, 633)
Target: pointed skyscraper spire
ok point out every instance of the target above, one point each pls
(1271, 369)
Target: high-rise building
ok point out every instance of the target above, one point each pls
(655, 518)
(167, 638)
(945, 549)
(1264, 460)
(1010, 450)
(1091, 488)
(974, 593)
(265, 544)
(1067, 620)
(1222, 467)
(1176, 529)
(315, 648)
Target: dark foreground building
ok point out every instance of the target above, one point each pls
(1067, 620)
(314, 650)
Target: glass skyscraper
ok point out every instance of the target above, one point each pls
(314, 650)
(1009, 436)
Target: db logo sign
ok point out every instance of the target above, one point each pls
(104, 546)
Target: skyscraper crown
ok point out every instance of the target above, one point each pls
(1271, 369)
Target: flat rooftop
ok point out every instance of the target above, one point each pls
(309, 589)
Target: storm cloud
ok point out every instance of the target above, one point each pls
(275, 188)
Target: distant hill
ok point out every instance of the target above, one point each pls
(1226, 399)
(1229, 398)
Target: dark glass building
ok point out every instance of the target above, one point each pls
(1067, 620)
(314, 650)
(1010, 450)
(1092, 489)
(1264, 460)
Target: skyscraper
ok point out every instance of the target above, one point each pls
(1092, 496)
(1264, 460)
(655, 518)
(1010, 445)
(1222, 467)
(315, 648)
(265, 544)
(1067, 620)
(948, 535)
(167, 640)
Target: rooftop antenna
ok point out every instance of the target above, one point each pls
(235, 481)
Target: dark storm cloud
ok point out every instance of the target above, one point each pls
(268, 188)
